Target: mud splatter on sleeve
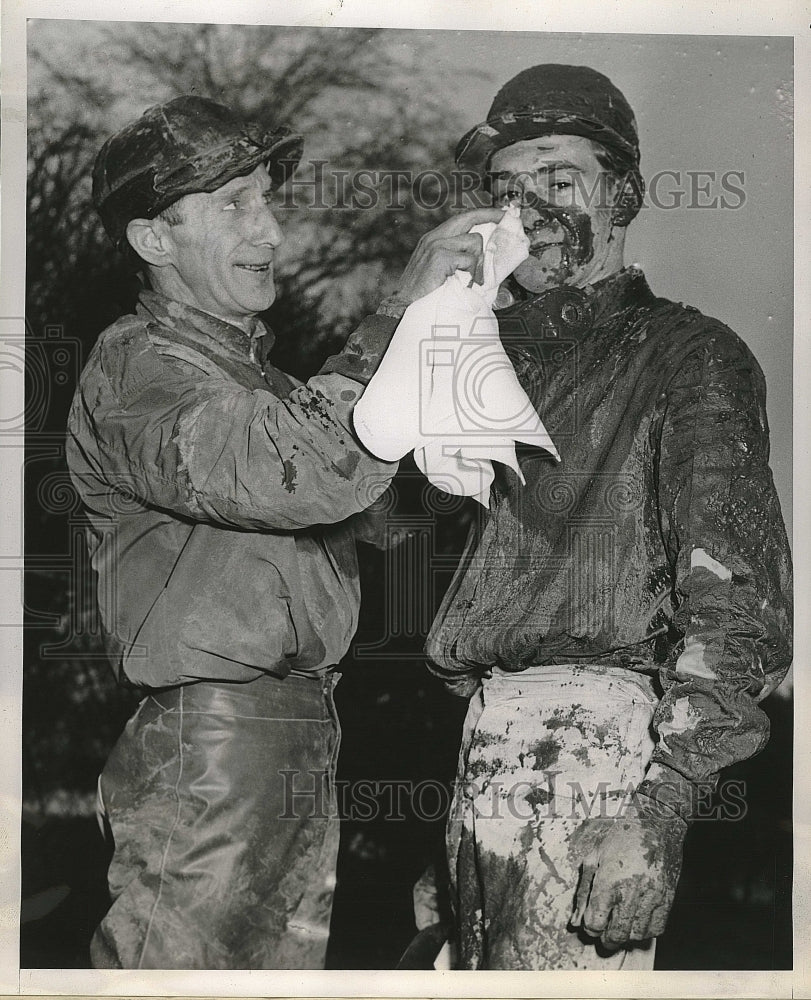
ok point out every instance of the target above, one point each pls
(725, 538)
(212, 450)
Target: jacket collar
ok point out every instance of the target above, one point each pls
(217, 340)
(574, 311)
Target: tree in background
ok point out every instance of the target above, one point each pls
(364, 101)
(361, 97)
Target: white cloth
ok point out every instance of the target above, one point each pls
(445, 387)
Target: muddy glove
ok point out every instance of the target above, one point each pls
(631, 865)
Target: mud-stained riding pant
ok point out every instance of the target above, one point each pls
(542, 751)
(220, 799)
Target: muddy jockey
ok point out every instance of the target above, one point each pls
(616, 620)
(224, 500)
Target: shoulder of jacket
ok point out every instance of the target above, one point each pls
(126, 358)
(683, 330)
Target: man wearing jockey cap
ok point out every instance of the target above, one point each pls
(616, 620)
(224, 499)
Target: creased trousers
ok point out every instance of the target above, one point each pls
(542, 750)
(220, 799)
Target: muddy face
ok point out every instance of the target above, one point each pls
(567, 202)
(560, 239)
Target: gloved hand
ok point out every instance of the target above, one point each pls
(631, 866)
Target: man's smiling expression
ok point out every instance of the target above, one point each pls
(223, 249)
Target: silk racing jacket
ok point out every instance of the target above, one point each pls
(656, 544)
(223, 496)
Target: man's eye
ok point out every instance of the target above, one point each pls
(231, 206)
(560, 186)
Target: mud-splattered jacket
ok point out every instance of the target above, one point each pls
(657, 543)
(220, 496)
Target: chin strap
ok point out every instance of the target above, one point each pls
(629, 200)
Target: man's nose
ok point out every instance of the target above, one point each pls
(266, 228)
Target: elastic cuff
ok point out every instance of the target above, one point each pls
(364, 349)
(392, 307)
(669, 790)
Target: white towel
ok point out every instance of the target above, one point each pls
(445, 387)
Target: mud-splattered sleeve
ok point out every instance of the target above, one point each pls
(724, 534)
(208, 449)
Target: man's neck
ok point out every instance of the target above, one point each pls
(178, 292)
(612, 262)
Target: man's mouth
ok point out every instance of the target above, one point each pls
(538, 247)
(572, 235)
(257, 268)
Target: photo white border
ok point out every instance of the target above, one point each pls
(686, 17)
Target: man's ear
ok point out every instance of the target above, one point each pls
(148, 239)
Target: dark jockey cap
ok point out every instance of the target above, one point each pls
(186, 146)
(554, 99)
